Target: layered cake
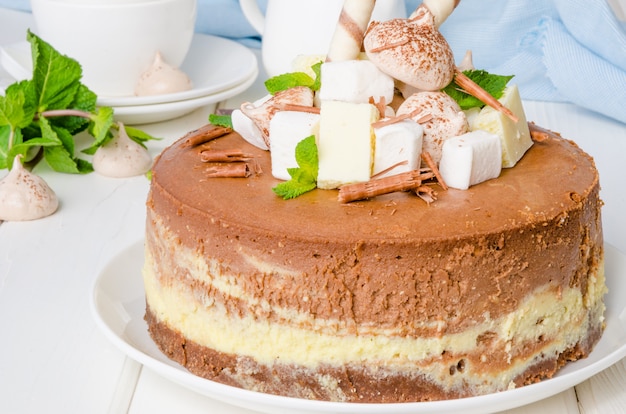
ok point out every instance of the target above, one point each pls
(423, 291)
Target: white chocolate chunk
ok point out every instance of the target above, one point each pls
(355, 81)
(470, 159)
(304, 63)
(399, 146)
(287, 129)
(515, 136)
(345, 143)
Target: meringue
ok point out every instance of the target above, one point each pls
(121, 157)
(24, 195)
(411, 51)
(162, 78)
(262, 114)
(447, 119)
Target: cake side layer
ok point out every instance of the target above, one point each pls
(349, 383)
(494, 352)
(405, 271)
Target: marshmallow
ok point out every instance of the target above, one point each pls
(287, 129)
(395, 144)
(355, 81)
(470, 159)
(345, 143)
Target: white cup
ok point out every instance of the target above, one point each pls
(303, 27)
(116, 40)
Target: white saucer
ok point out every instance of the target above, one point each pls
(213, 64)
(146, 114)
(118, 305)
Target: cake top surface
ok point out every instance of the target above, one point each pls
(545, 183)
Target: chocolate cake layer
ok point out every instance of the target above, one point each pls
(495, 271)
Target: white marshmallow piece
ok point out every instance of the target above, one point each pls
(287, 129)
(246, 127)
(345, 144)
(470, 159)
(398, 145)
(355, 81)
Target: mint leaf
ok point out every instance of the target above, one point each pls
(56, 77)
(493, 84)
(293, 79)
(303, 178)
(42, 116)
(221, 120)
(288, 81)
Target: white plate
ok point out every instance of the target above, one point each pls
(213, 64)
(118, 306)
(145, 114)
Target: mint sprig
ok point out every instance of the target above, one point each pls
(293, 79)
(303, 178)
(221, 120)
(493, 84)
(40, 117)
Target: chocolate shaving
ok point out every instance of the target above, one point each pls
(223, 155)
(433, 167)
(300, 108)
(205, 134)
(396, 119)
(381, 105)
(426, 193)
(390, 45)
(400, 182)
(386, 170)
(228, 170)
(539, 134)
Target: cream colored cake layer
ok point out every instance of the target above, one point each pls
(306, 341)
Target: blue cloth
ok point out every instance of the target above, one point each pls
(558, 50)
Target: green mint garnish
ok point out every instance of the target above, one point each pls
(40, 117)
(303, 178)
(291, 80)
(493, 84)
(221, 120)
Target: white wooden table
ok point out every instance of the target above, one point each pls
(53, 359)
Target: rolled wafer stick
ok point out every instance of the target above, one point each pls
(400, 182)
(440, 9)
(347, 40)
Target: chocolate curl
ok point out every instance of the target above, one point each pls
(228, 170)
(205, 134)
(225, 155)
(433, 167)
(300, 108)
(389, 121)
(539, 134)
(472, 88)
(400, 182)
(347, 40)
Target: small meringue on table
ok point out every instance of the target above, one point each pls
(162, 78)
(25, 196)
